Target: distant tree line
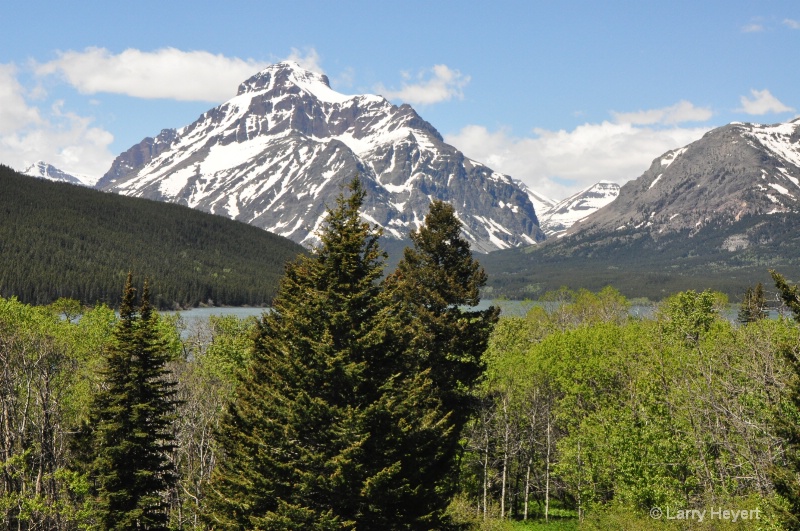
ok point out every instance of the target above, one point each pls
(639, 264)
(60, 240)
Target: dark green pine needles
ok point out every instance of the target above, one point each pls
(130, 428)
(350, 411)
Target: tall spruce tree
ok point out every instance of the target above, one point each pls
(350, 413)
(431, 291)
(130, 428)
(294, 440)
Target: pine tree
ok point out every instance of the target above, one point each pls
(293, 441)
(350, 413)
(130, 426)
(434, 281)
(754, 305)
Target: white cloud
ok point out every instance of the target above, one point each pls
(762, 102)
(753, 28)
(309, 59)
(560, 163)
(792, 24)
(166, 73)
(440, 83)
(29, 133)
(683, 111)
(14, 111)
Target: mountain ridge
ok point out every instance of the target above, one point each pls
(717, 213)
(273, 155)
(732, 171)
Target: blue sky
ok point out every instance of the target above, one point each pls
(558, 94)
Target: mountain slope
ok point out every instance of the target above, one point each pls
(61, 240)
(732, 171)
(717, 213)
(275, 154)
(574, 209)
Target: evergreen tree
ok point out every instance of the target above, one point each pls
(754, 305)
(350, 413)
(130, 428)
(790, 295)
(294, 440)
(441, 339)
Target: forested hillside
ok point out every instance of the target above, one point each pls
(725, 258)
(59, 240)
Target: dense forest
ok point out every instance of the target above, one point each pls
(367, 400)
(61, 240)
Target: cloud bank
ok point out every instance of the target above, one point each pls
(166, 73)
(681, 112)
(762, 102)
(560, 163)
(440, 83)
(29, 133)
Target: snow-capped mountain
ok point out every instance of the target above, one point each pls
(717, 213)
(43, 170)
(566, 213)
(279, 151)
(733, 171)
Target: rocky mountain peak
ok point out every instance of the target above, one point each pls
(571, 211)
(286, 76)
(278, 152)
(737, 170)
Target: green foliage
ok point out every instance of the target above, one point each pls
(786, 473)
(688, 315)
(215, 352)
(349, 413)
(789, 294)
(130, 427)
(36, 372)
(434, 282)
(679, 410)
(59, 240)
(294, 437)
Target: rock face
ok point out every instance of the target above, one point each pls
(278, 152)
(734, 171)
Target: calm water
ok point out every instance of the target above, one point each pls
(517, 308)
(508, 307)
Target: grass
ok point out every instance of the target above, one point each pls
(569, 524)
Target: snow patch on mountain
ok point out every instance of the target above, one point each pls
(734, 171)
(577, 207)
(540, 202)
(43, 170)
